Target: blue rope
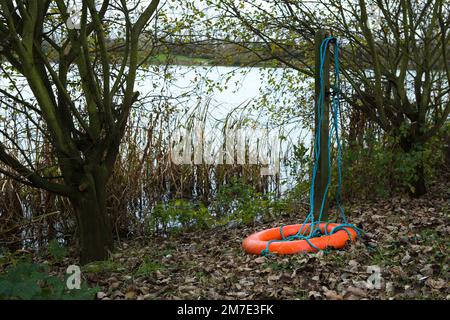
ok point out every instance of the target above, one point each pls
(314, 225)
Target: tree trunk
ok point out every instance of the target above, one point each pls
(93, 221)
(420, 187)
(447, 152)
(356, 129)
(419, 184)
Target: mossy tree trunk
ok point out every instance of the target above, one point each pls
(94, 225)
(411, 145)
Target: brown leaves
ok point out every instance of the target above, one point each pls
(130, 295)
(407, 241)
(101, 295)
(332, 295)
(437, 284)
(353, 292)
(260, 260)
(273, 278)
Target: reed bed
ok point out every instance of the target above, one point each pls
(146, 183)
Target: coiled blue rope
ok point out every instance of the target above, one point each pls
(314, 225)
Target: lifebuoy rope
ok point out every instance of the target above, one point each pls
(310, 223)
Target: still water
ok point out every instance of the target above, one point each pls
(244, 94)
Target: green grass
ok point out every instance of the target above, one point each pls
(340, 260)
(302, 295)
(149, 267)
(386, 256)
(103, 267)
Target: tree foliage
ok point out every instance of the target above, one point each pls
(393, 55)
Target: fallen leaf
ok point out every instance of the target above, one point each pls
(130, 295)
(260, 260)
(356, 291)
(332, 295)
(101, 295)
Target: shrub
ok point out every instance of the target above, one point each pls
(56, 250)
(31, 281)
(383, 169)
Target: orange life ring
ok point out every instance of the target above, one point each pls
(257, 242)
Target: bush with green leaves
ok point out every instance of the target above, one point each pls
(179, 214)
(56, 250)
(240, 201)
(300, 164)
(235, 201)
(381, 169)
(31, 281)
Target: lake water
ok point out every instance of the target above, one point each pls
(247, 93)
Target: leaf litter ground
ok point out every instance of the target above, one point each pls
(407, 240)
